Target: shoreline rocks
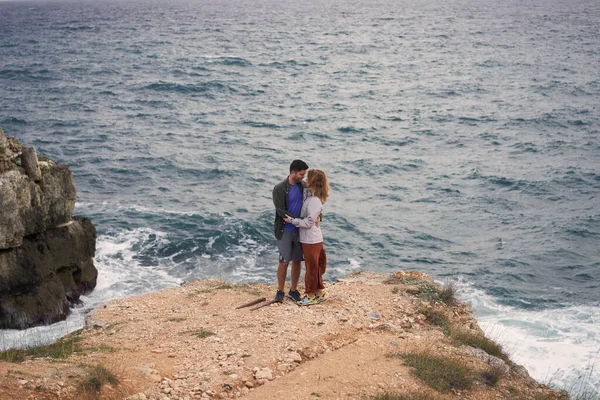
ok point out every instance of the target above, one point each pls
(46, 255)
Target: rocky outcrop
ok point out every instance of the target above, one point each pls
(45, 254)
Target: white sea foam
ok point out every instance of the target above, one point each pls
(344, 269)
(40, 335)
(119, 275)
(557, 346)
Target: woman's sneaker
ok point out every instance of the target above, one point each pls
(321, 297)
(307, 301)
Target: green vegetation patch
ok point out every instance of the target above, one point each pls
(439, 373)
(437, 318)
(224, 286)
(113, 325)
(562, 395)
(176, 319)
(428, 291)
(62, 348)
(103, 347)
(392, 396)
(473, 339)
(201, 333)
(433, 291)
(491, 376)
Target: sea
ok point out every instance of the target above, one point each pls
(461, 139)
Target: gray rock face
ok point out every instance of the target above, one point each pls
(29, 161)
(46, 256)
(6, 153)
(49, 271)
(29, 207)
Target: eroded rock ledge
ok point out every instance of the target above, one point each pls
(45, 253)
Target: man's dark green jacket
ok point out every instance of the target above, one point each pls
(280, 200)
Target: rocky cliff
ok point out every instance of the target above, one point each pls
(45, 253)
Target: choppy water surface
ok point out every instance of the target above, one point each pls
(461, 139)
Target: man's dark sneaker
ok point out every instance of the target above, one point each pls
(279, 296)
(294, 295)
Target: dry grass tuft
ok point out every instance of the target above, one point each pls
(474, 339)
(201, 333)
(62, 348)
(97, 377)
(392, 396)
(439, 373)
(448, 293)
(437, 318)
(491, 376)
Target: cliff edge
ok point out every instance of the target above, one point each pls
(45, 253)
(399, 336)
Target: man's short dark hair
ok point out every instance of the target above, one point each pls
(298, 165)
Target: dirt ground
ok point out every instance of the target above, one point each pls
(191, 342)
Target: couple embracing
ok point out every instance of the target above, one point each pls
(298, 208)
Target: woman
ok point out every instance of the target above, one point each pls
(315, 196)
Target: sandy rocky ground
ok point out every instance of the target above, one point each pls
(190, 342)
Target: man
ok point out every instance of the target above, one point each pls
(287, 198)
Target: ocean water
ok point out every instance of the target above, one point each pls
(461, 139)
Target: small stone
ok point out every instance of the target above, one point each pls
(137, 396)
(151, 374)
(264, 373)
(373, 315)
(249, 384)
(283, 367)
(294, 357)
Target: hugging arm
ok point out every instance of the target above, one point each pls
(312, 217)
(304, 222)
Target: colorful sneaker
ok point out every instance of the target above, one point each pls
(294, 295)
(321, 297)
(307, 301)
(279, 296)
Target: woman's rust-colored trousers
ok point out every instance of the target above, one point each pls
(315, 261)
